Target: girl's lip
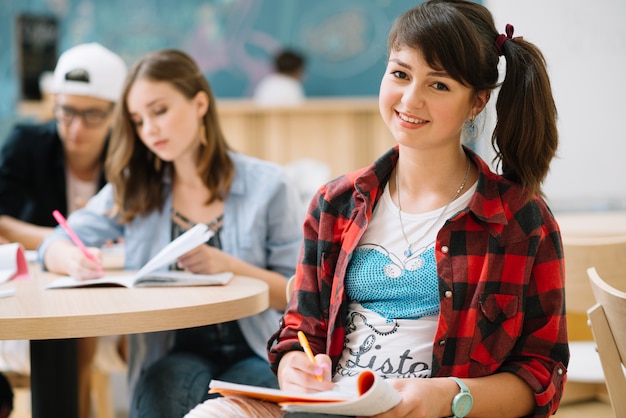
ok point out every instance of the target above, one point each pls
(160, 143)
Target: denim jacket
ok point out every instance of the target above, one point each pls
(262, 225)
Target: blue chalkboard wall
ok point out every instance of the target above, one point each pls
(232, 40)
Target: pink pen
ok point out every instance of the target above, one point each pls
(63, 222)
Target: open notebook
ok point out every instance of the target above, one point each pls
(150, 275)
(373, 395)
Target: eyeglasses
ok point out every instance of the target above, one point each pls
(92, 118)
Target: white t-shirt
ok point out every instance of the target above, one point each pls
(279, 90)
(78, 191)
(394, 299)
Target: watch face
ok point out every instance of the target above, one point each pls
(462, 404)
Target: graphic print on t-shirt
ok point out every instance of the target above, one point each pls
(392, 315)
(381, 282)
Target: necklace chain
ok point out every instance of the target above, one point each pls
(409, 249)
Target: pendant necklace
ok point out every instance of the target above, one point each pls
(409, 249)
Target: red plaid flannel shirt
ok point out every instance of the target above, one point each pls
(501, 281)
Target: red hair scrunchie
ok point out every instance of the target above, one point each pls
(502, 38)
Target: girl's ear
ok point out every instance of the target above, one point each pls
(202, 103)
(480, 101)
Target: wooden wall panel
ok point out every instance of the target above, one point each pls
(346, 134)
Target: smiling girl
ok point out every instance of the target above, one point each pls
(427, 267)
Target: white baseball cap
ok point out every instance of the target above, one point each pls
(90, 70)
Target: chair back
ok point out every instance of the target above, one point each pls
(289, 288)
(608, 255)
(608, 323)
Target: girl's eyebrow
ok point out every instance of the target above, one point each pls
(439, 74)
(149, 104)
(154, 101)
(434, 73)
(400, 63)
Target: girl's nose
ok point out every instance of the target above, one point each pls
(147, 127)
(413, 97)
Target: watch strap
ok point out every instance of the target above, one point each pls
(461, 384)
(461, 408)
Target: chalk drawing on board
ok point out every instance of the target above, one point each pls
(215, 50)
(346, 39)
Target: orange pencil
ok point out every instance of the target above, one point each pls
(307, 349)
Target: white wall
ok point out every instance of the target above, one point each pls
(584, 43)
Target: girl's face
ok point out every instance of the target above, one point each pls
(421, 106)
(167, 122)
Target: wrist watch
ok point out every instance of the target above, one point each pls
(463, 401)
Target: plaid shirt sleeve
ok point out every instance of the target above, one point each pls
(501, 270)
(308, 309)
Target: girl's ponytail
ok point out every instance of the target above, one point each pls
(525, 138)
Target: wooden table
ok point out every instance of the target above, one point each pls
(53, 319)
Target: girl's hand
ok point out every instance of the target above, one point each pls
(82, 268)
(422, 398)
(296, 372)
(205, 259)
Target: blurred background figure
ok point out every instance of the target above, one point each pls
(59, 164)
(283, 87)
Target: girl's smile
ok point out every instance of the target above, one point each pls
(411, 120)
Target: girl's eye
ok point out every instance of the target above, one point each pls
(137, 122)
(160, 110)
(440, 86)
(399, 74)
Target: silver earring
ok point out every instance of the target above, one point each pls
(471, 132)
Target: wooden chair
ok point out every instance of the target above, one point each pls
(289, 288)
(608, 255)
(608, 323)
